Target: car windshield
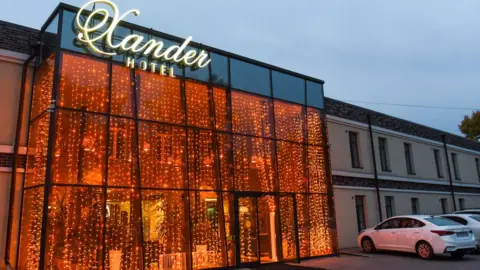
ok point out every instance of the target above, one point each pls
(439, 221)
(477, 218)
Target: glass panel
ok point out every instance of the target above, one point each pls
(221, 109)
(289, 121)
(208, 238)
(267, 228)
(201, 160)
(83, 83)
(162, 156)
(49, 38)
(199, 105)
(287, 221)
(302, 219)
(123, 231)
(159, 98)
(320, 237)
(254, 164)
(291, 167)
(122, 91)
(42, 87)
(219, 66)
(201, 74)
(31, 229)
(251, 115)
(315, 126)
(316, 169)
(74, 228)
(80, 148)
(288, 87)
(247, 221)
(165, 229)
(315, 95)
(37, 151)
(225, 156)
(229, 227)
(250, 77)
(122, 153)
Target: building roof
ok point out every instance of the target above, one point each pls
(19, 38)
(356, 113)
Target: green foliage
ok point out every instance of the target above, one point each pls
(470, 125)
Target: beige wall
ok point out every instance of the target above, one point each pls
(467, 166)
(429, 202)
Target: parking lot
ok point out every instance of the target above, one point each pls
(392, 261)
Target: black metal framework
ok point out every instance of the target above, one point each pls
(55, 109)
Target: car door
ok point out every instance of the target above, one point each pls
(409, 234)
(385, 234)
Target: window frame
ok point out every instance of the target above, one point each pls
(354, 150)
(444, 205)
(390, 205)
(456, 168)
(383, 150)
(361, 207)
(461, 203)
(415, 203)
(477, 163)
(407, 147)
(438, 163)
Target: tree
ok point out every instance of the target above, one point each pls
(470, 125)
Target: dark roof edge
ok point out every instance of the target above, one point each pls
(14, 25)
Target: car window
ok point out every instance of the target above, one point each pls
(390, 224)
(477, 218)
(439, 221)
(457, 219)
(412, 223)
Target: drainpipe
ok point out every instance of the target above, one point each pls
(452, 188)
(15, 159)
(374, 159)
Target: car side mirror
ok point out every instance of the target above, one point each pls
(376, 228)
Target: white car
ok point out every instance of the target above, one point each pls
(472, 221)
(424, 235)
(469, 211)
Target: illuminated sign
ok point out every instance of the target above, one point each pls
(98, 19)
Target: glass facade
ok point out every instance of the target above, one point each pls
(136, 170)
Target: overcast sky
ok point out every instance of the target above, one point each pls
(408, 51)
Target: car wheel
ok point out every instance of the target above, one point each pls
(424, 250)
(367, 245)
(458, 254)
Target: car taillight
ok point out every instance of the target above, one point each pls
(443, 233)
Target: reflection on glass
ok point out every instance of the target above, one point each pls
(289, 121)
(201, 160)
(247, 219)
(288, 87)
(165, 229)
(219, 66)
(80, 148)
(74, 228)
(122, 153)
(251, 115)
(199, 103)
(250, 77)
(315, 95)
(123, 229)
(287, 221)
(254, 164)
(201, 74)
(83, 83)
(291, 167)
(159, 98)
(31, 229)
(162, 156)
(208, 240)
(37, 151)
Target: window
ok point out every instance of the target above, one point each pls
(444, 204)
(389, 206)
(411, 223)
(382, 145)
(477, 162)
(353, 138)
(249, 77)
(415, 206)
(461, 203)
(315, 94)
(440, 221)
(456, 169)
(409, 158)
(457, 219)
(438, 163)
(288, 87)
(390, 224)
(360, 209)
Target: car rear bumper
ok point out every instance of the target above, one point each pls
(449, 247)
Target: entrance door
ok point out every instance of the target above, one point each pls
(257, 230)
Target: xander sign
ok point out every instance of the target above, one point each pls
(134, 43)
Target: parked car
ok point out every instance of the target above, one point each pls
(424, 235)
(469, 211)
(472, 221)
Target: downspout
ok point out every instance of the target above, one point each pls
(375, 173)
(15, 160)
(452, 188)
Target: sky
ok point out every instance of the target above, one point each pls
(406, 52)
